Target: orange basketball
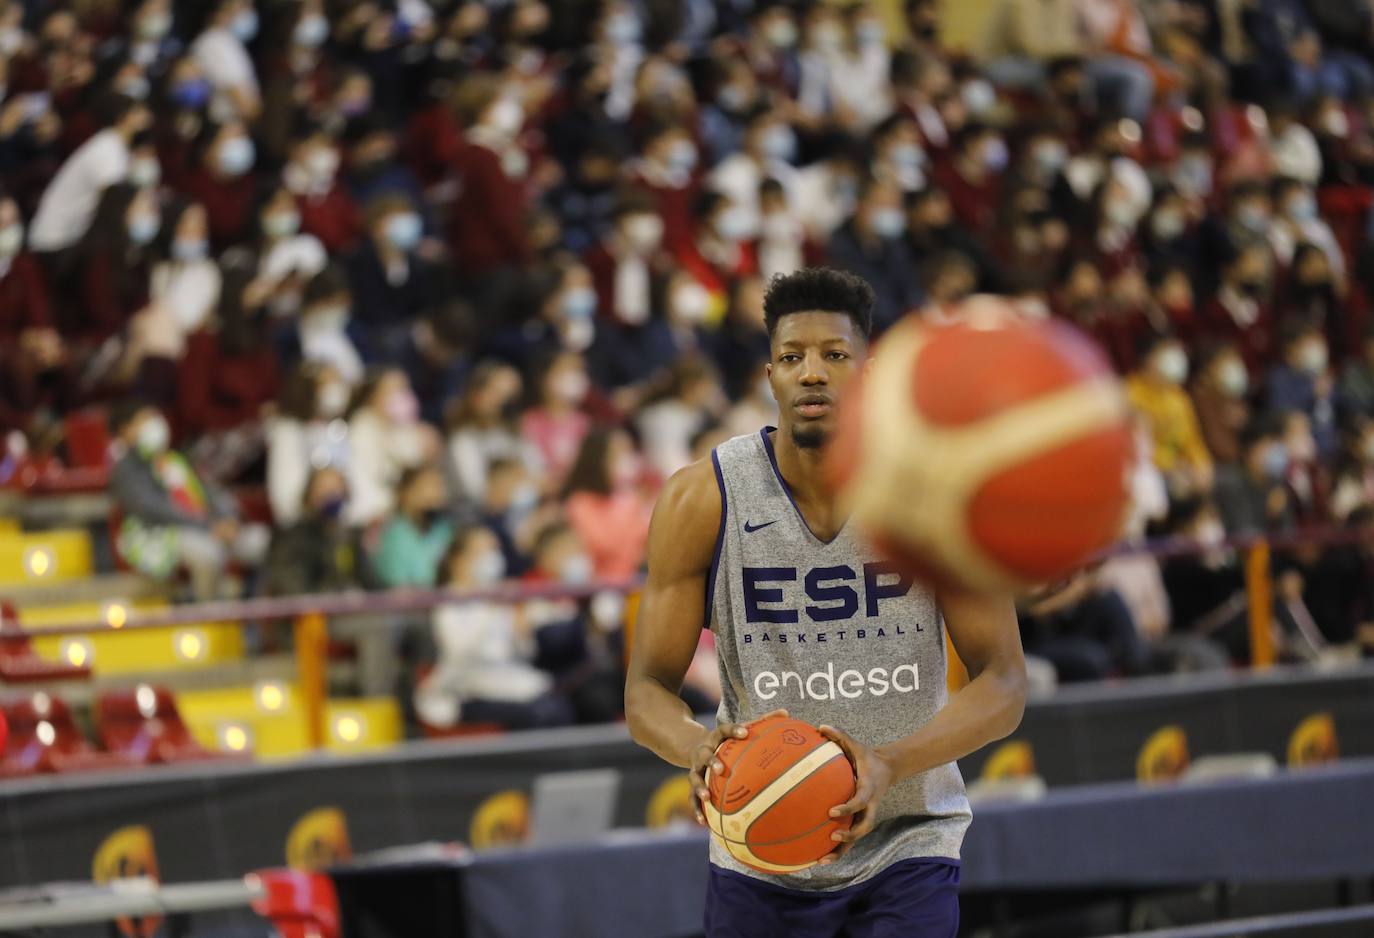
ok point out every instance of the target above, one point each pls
(990, 453)
(771, 809)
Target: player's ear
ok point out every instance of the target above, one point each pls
(768, 370)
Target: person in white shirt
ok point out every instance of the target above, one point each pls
(187, 282)
(322, 328)
(385, 437)
(481, 430)
(68, 204)
(221, 53)
(770, 144)
(306, 434)
(287, 257)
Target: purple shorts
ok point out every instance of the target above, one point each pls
(916, 898)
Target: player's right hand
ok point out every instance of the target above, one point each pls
(704, 755)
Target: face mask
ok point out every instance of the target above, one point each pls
(403, 231)
(1172, 365)
(979, 97)
(579, 303)
(145, 172)
(322, 164)
(870, 33)
(1120, 213)
(245, 26)
(1233, 379)
(490, 567)
(1194, 176)
(1275, 461)
(281, 224)
(1303, 208)
(11, 240)
(1312, 360)
(153, 436)
(332, 509)
(186, 251)
(1252, 218)
(1302, 450)
(907, 156)
(691, 302)
(888, 222)
(331, 400)
(524, 498)
(506, 117)
(781, 34)
(402, 407)
(828, 37)
(995, 155)
(575, 570)
(236, 156)
(644, 233)
(731, 224)
(682, 156)
(733, 98)
(154, 27)
(143, 228)
(311, 31)
(779, 143)
(1336, 123)
(572, 386)
(1210, 534)
(623, 28)
(1168, 224)
(193, 93)
(327, 319)
(1050, 158)
(578, 334)
(136, 88)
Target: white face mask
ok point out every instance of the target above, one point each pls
(327, 319)
(281, 224)
(691, 302)
(1172, 365)
(331, 400)
(145, 172)
(1232, 378)
(322, 164)
(489, 568)
(578, 334)
(644, 233)
(576, 570)
(506, 117)
(572, 386)
(731, 224)
(1210, 533)
(11, 240)
(1313, 358)
(153, 436)
(311, 31)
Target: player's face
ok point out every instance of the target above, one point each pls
(813, 357)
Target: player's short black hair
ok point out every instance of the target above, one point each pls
(819, 289)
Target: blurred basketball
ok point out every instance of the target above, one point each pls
(989, 453)
(771, 809)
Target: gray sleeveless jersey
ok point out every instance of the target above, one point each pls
(828, 632)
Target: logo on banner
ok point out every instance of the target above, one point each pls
(1164, 755)
(128, 853)
(1012, 759)
(318, 840)
(1314, 741)
(671, 803)
(501, 820)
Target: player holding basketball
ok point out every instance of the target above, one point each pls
(751, 544)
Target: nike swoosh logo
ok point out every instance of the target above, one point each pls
(751, 528)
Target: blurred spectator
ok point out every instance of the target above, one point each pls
(1241, 311)
(68, 207)
(385, 438)
(222, 179)
(324, 330)
(33, 356)
(311, 175)
(1318, 295)
(415, 539)
(488, 230)
(1156, 390)
(971, 177)
(871, 246)
(1354, 481)
(1309, 484)
(114, 257)
(222, 54)
(1084, 630)
(605, 506)
(172, 518)
(1250, 494)
(1219, 393)
(1302, 382)
(556, 425)
(667, 425)
(1207, 590)
(186, 282)
(1356, 389)
(314, 553)
(305, 434)
(482, 429)
(286, 257)
(484, 672)
(392, 282)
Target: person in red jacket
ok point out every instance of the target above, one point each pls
(488, 231)
(1242, 310)
(312, 174)
(223, 181)
(668, 173)
(972, 177)
(112, 263)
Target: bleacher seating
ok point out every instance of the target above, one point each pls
(20, 663)
(43, 737)
(145, 725)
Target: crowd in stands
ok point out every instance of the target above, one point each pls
(460, 282)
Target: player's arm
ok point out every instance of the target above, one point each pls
(682, 538)
(985, 634)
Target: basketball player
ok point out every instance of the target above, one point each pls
(751, 545)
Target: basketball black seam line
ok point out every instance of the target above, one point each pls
(774, 843)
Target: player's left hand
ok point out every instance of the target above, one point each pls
(873, 774)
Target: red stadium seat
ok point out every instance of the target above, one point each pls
(43, 737)
(298, 904)
(20, 664)
(145, 725)
(88, 439)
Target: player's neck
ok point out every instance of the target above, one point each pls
(801, 468)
